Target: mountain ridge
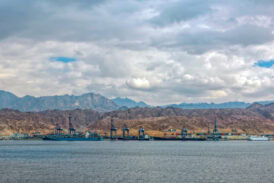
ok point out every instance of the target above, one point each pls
(224, 105)
(126, 102)
(97, 102)
(61, 102)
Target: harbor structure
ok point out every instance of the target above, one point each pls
(58, 129)
(17, 136)
(141, 133)
(125, 132)
(215, 135)
(215, 130)
(113, 130)
(184, 132)
(72, 130)
(208, 129)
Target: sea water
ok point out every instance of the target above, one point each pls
(136, 161)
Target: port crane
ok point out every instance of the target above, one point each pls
(113, 130)
(141, 133)
(58, 129)
(125, 132)
(72, 130)
(215, 130)
(215, 135)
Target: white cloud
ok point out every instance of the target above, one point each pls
(156, 51)
(259, 20)
(139, 83)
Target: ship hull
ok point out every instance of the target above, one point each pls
(128, 138)
(144, 139)
(193, 139)
(179, 139)
(71, 139)
(166, 138)
(255, 138)
(214, 138)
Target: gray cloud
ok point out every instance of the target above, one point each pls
(157, 51)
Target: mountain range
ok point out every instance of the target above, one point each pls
(95, 102)
(126, 102)
(210, 105)
(65, 102)
(225, 105)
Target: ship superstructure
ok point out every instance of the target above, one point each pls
(73, 135)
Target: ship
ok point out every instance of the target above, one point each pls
(166, 138)
(258, 138)
(214, 137)
(73, 135)
(76, 137)
(64, 138)
(127, 138)
(180, 139)
(202, 138)
(189, 137)
(185, 136)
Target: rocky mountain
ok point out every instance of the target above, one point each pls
(255, 119)
(266, 110)
(225, 105)
(13, 121)
(126, 102)
(64, 102)
(255, 106)
(210, 105)
(244, 120)
(96, 102)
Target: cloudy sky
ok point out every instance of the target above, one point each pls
(158, 51)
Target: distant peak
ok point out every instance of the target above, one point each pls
(7, 93)
(3, 91)
(127, 102)
(255, 105)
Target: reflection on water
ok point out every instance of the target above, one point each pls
(124, 162)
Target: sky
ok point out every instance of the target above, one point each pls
(157, 51)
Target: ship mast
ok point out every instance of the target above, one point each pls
(71, 129)
(113, 129)
(215, 127)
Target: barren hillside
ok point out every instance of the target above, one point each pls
(255, 119)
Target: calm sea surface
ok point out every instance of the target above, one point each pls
(154, 161)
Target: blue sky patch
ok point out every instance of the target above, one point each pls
(63, 59)
(265, 63)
